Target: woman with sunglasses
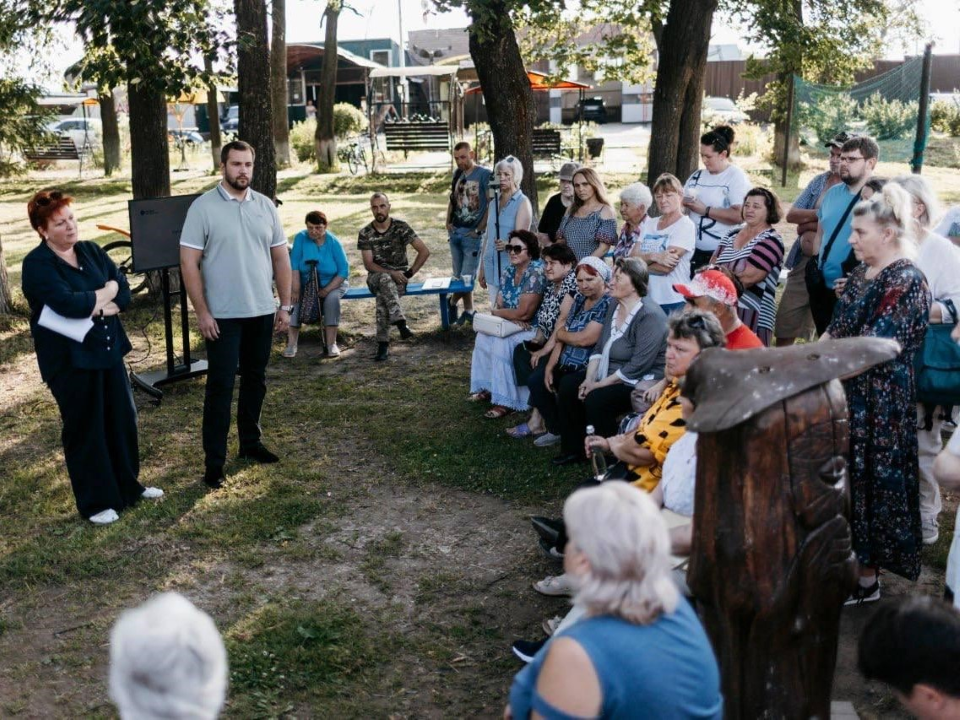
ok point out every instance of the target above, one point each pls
(754, 253)
(522, 286)
(73, 282)
(512, 211)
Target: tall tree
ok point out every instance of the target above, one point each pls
(111, 132)
(325, 137)
(278, 82)
(683, 42)
(213, 112)
(256, 104)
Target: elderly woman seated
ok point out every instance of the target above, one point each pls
(639, 649)
(631, 349)
(635, 200)
(558, 263)
(571, 345)
(167, 661)
(521, 290)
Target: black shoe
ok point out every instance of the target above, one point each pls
(259, 454)
(568, 459)
(213, 477)
(550, 550)
(527, 649)
(383, 349)
(547, 528)
(405, 332)
(452, 312)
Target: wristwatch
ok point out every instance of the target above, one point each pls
(408, 274)
(288, 308)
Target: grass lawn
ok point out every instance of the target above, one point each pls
(381, 569)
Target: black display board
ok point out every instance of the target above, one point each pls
(155, 226)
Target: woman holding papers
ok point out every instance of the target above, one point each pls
(75, 294)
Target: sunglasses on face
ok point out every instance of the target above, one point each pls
(515, 248)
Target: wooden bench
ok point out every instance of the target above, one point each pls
(417, 136)
(456, 286)
(545, 142)
(64, 148)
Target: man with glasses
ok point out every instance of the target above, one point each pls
(383, 246)
(831, 246)
(793, 313)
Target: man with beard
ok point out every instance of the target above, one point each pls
(466, 223)
(232, 248)
(831, 246)
(383, 246)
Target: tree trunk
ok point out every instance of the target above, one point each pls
(278, 84)
(326, 140)
(779, 131)
(213, 113)
(253, 74)
(506, 89)
(111, 133)
(6, 298)
(678, 93)
(148, 142)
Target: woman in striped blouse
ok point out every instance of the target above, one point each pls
(754, 253)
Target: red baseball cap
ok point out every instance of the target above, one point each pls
(712, 284)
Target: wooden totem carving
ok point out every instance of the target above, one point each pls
(772, 560)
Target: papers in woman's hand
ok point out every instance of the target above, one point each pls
(74, 328)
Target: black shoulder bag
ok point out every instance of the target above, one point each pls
(822, 298)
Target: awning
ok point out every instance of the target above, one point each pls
(414, 71)
(538, 82)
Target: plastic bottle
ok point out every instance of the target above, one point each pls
(597, 458)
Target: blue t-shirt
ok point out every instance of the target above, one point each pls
(663, 670)
(330, 257)
(469, 197)
(834, 204)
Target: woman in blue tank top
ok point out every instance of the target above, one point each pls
(639, 651)
(512, 211)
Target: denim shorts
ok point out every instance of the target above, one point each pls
(464, 252)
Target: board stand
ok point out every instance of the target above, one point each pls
(151, 382)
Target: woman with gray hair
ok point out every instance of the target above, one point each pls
(639, 651)
(512, 211)
(167, 660)
(939, 261)
(635, 200)
(885, 296)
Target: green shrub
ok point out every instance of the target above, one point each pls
(945, 117)
(347, 120)
(302, 140)
(889, 119)
(828, 116)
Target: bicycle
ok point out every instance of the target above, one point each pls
(353, 155)
(121, 252)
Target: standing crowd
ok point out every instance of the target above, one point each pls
(589, 332)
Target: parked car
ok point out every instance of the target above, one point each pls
(83, 131)
(230, 122)
(722, 110)
(593, 109)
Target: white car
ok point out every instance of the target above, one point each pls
(83, 131)
(720, 109)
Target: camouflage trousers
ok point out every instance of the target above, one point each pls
(388, 293)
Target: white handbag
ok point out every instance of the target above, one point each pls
(496, 326)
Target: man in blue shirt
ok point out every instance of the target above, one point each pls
(858, 158)
(466, 222)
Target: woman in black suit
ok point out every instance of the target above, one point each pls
(77, 280)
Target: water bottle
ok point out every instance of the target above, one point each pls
(597, 458)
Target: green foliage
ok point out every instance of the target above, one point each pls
(23, 123)
(832, 114)
(302, 139)
(889, 119)
(945, 117)
(348, 120)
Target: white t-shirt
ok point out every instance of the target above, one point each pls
(722, 190)
(939, 260)
(680, 474)
(949, 227)
(681, 234)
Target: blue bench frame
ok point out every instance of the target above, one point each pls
(456, 286)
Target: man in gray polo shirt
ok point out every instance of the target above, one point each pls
(232, 247)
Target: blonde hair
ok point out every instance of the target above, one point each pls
(891, 208)
(625, 541)
(919, 188)
(668, 183)
(590, 175)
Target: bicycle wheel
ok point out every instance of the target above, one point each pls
(361, 151)
(352, 161)
(121, 252)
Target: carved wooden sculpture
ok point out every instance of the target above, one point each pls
(772, 562)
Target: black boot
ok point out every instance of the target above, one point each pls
(383, 349)
(405, 332)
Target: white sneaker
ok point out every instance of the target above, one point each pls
(151, 493)
(334, 351)
(105, 517)
(931, 530)
(546, 440)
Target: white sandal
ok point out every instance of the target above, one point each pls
(289, 352)
(555, 586)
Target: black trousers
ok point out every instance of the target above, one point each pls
(548, 403)
(99, 438)
(822, 304)
(244, 343)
